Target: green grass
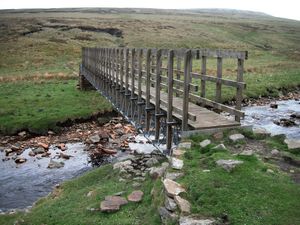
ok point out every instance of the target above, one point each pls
(56, 52)
(70, 207)
(247, 195)
(39, 106)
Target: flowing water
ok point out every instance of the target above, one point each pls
(264, 116)
(23, 184)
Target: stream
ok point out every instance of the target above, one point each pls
(23, 184)
(264, 116)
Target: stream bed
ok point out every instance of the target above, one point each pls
(265, 116)
(23, 184)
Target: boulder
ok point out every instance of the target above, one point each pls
(157, 172)
(170, 204)
(172, 188)
(20, 160)
(43, 145)
(55, 165)
(178, 152)
(228, 164)
(151, 162)
(247, 153)
(184, 205)
(189, 220)
(112, 203)
(236, 137)
(292, 143)
(122, 165)
(135, 196)
(218, 135)
(22, 133)
(174, 176)
(186, 145)
(275, 152)
(38, 150)
(220, 146)
(261, 131)
(296, 115)
(204, 143)
(166, 215)
(94, 139)
(176, 163)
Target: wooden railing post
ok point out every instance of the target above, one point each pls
(127, 94)
(203, 72)
(148, 106)
(122, 91)
(178, 75)
(140, 101)
(157, 93)
(218, 83)
(239, 90)
(170, 99)
(186, 91)
(132, 96)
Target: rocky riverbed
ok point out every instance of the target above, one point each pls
(32, 166)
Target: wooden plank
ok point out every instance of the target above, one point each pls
(226, 82)
(216, 105)
(170, 99)
(220, 53)
(186, 91)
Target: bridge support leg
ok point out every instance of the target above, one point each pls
(84, 84)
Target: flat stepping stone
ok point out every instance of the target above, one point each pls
(178, 152)
(189, 220)
(170, 204)
(292, 143)
(186, 145)
(236, 137)
(135, 196)
(228, 164)
(205, 143)
(247, 153)
(174, 176)
(184, 205)
(261, 131)
(112, 203)
(176, 163)
(172, 188)
(220, 146)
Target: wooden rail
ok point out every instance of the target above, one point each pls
(147, 85)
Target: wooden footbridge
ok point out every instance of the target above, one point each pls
(160, 90)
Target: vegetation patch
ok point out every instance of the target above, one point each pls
(39, 106)
(250, 194)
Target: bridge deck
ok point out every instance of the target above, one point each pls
(205, 119)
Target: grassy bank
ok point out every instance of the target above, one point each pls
(38, 106)
(68, 204)
(37, 45)
(255, 192)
